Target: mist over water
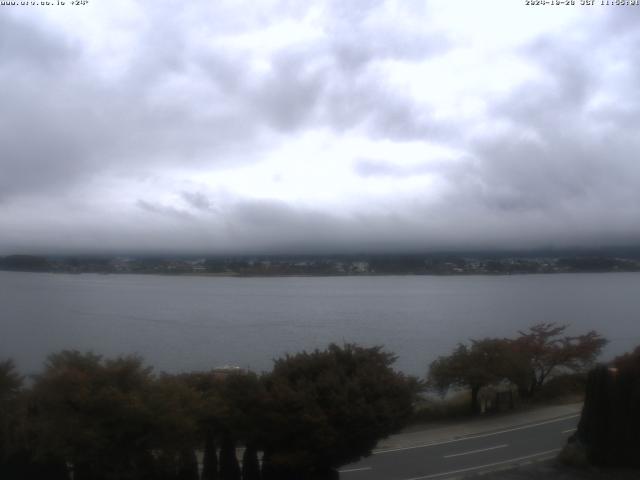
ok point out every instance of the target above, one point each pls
(187, 323)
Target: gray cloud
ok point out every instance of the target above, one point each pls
(198, 201)
(70, 124)
(369, 167)
(564, 171)
(287, 97)
(163, 210)
(24, 47)
(561, 157)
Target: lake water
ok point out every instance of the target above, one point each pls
(186, 323)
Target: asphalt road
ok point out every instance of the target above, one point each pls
(469, 455)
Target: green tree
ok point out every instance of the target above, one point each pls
(10, 381)
(250, 463)
(175, 408)
(18, 459)
(609, 428)
(10, 415)
(330, 407)
(242, 402)
(218, 416)
(229, 468)
(187, 465)
(10, 387)
(209, 416)
(93, 413)
(210, 457)
(241, 409)
(480, 364)
(232, 411)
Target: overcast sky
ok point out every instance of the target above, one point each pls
(261, 126)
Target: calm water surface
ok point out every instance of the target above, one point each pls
(185, 323)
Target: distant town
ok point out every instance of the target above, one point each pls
(326, 265)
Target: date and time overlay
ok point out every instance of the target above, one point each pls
(584, 3)
(559, 3)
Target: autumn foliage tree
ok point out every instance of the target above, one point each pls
(481, 363)
(527, 361)
(544, 350)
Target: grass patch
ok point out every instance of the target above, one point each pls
(567, 388)
(573, 455)
(431, 408)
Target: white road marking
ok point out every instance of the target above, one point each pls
(472, 437)
(354, 470)
(475, 451)
(480, 467)
(569, 430)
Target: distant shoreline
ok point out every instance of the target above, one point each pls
(324, 266)
(325, 275)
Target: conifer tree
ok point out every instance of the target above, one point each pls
(187, 465)
(210, 458)
(229, 468)
(250, 463)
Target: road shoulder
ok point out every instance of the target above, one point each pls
(488, 424)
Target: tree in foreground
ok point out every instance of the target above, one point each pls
(609, 429)
(93, 413)
(10, 386)
(209, 457)
(111, 419)
(231, 413)
(187, 465)
(10, 417)
(241, 411)
(18, 461)
(527, 361)
(482, 363)
(229, 467)
(10, 380)
(545, 350)
(331, 407)
(250, 463)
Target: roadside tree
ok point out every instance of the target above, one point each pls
(543, 350)
(482, 363)
(330, 407)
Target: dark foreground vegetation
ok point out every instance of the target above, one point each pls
(554, 470)
(606, 445)
(90, 418)
(108, 419)
(609, 430)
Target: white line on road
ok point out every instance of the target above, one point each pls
(476, 451)
(480, 467)
(354, 470)
(569, 430)
(472, 437)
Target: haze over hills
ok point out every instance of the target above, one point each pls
(430, 263)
